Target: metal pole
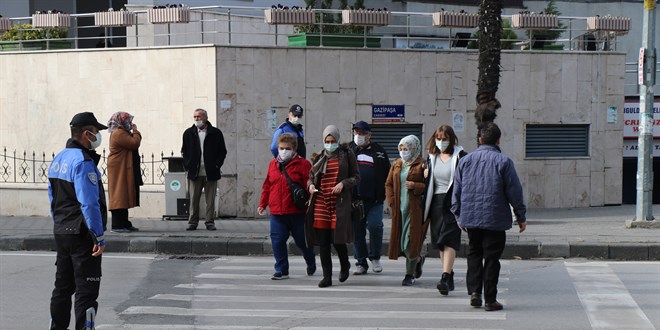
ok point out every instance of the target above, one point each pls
(647, 58)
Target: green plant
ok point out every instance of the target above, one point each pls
(27, 32)
(332, 22)
(548, 36)
(506, 42)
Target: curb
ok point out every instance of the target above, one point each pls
(256, 247)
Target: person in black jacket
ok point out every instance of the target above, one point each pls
(203, 152)
(374, 166)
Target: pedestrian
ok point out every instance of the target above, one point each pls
(332, 178)
(124, 174)
(78, 208)
(444, 153)
(285, 218)
(374, 165)
(404, 190)
(203, 153)
(291, 125)
(485, 183)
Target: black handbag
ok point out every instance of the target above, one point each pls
(357, 210)
(300, 196)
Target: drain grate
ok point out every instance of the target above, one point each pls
(190, 257)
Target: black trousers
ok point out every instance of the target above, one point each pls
(483, 260)
(326, 239)
(77, 272)
(120, 219)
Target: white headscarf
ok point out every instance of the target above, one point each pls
(414, 146)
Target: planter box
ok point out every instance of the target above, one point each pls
(28, 45)
(289, 16)
(459, 20)
(115, 18)
(58, 20)
(533, 21)
(5, 24)
(313, 39)
(366, 17)
(617, 24)
(169, 15)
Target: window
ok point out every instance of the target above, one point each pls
(557, 141)
(389, 135)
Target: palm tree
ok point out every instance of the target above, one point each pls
(490, 29)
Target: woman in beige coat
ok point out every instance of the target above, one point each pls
(404, 189)
(124, 175)
(332, 178)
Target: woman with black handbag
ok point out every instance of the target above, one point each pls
(286, 172)
(329, 222)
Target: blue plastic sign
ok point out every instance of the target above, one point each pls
(388, 113)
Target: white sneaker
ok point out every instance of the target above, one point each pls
(360, 270)
(376, 266)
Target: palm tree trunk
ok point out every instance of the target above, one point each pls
(490, 29)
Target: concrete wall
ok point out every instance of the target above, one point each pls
(39, 93)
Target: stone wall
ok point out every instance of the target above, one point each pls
(40, 92)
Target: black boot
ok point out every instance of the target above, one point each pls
(325, 282)
(326, 264)
(450, 283)
(342, 253)
(409, 280)
(443, 285)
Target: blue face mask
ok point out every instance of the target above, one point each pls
(331, 147)
(405, 155)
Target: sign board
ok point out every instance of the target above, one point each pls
(388, 113)
(640, 67)
(630, 148)
(631, 119)
(611, 115)
(458, 120)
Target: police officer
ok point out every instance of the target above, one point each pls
(78, 208)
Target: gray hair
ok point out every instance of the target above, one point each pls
(206, 114)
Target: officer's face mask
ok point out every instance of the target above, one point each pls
(97, 143)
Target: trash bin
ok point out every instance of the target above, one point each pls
(176, 200)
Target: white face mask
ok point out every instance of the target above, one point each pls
(331, 147)
(294, 120)
(359, 139)
(199, 123)
(405, 154)
(97, 143)
(285, 154)
(442, 145)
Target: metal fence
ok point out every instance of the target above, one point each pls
(26, 167)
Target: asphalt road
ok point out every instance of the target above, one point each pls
(156, 292)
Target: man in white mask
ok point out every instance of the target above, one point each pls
(374, 165)
(293, 125)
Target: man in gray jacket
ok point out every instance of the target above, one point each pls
(485, 184)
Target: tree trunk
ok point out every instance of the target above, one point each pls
(490, 29)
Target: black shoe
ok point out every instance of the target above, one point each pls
(475, 300)
(279, 276)
(443, 286)
(343, 275)
(450, 282)
(311, 270)
(210, 227)
(418, 269)
(131, 228)
(191, 227)
(325, 282)
(121, 230)
(409, 280)
(494, 306)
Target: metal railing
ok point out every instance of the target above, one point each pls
(632, 85)
(25, 167)
(239, 25)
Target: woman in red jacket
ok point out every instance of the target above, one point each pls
(285, 218)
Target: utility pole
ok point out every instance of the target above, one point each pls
(646, 80)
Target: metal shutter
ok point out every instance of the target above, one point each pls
(557, 141)
(389, 135)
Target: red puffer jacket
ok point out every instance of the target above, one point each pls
(275, 190)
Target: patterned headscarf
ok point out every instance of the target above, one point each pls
(412, 143)
(120, 119)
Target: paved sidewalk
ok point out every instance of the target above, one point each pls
(597, 232)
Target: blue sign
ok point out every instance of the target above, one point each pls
(388, 113)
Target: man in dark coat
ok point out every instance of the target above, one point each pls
(203, 153)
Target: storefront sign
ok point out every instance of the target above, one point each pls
(630, 148)
(631, 125)
(388, 113)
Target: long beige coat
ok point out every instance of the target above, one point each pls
(393, 195)
(121, 180)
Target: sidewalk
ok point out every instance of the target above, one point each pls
(597, 232)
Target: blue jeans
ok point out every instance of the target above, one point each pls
(373, 221)
(280, 228)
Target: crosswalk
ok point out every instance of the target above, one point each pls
(237, 293)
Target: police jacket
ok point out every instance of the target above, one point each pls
(295, 129)
(75, 190)
(214, 152)
(381, 167)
